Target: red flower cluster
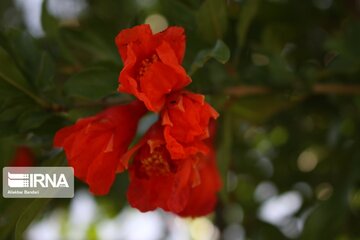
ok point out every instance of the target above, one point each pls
(23, 157)
(173, 165)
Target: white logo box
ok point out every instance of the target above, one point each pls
(38, 182)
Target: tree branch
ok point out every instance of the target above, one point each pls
(330, 88)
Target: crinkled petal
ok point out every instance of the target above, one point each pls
(175, 36)
(138, 36)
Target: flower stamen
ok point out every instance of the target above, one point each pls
(155, 165)
(145, 65)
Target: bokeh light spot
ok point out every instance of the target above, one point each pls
(307, 161)
(203, 229)
(324, 191)
(157, 22)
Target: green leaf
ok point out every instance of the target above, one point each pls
(32, 210)
(31, 119)
(212, 20)
(11, 75)
(45, 70)
(247, 14)
(219, 52)
(93, 44)
(10, 113)
(49, 23)
(94, 83)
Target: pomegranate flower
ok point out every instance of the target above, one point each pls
(187, 187)
(94, 145)
(152, 63)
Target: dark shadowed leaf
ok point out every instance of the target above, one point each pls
(36, 64)
(31, 119)
(247, 14)
(10, 73)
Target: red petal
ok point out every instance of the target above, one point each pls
(181, 187)
(94, 145)
(167, 54)
(101, 174)
(175, 36)
(158, 81)
(138, 35)
(203, 197)
(149, 194)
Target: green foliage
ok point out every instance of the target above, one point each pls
(283, 75)
(93, 83)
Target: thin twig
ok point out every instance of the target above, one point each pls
(330, 88)
(339, 89)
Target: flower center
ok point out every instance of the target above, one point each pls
(146, 63)
(155, 164)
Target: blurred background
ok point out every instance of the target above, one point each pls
(284, 75)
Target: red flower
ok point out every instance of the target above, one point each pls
(186, 123)
(94, 145)
(152, 63)
(187, 186)
(23, 157)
